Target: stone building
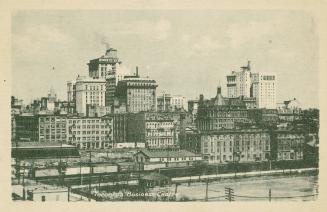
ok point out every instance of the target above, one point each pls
(164, 103)
(52, 128)
(89, 92)
(290, 144)
(89, 132)
(138, 94)
(221, 113)
(261, 86)
(236, 145)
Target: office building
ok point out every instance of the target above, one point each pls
(89, 92)
(221, 113)
(261, 86)
(137, 93)
(236, 145)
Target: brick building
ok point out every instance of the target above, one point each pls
(156, 130)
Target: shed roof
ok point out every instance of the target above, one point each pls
(167, 153)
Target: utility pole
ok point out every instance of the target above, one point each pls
(24, 196)
(207, 185)
(176, 185)
(229, 194)
(90, 175)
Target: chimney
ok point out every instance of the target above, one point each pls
(137, 71)
(218, 90)
(249, 65)
(201, 97)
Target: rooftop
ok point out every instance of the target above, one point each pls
(167, 153)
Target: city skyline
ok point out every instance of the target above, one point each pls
(167, 46)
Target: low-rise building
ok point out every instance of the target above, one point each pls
(52, 128)
(238, 145)
(190, 140)
(164, 103)
(156, 130)
(26, 127)
(165, 156)
(290, 144)
(90, 133)
(192, 108)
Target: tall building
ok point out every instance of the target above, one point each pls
(192, 107)
(167, 102)
(261, 86)
(239, 83)
(164, 102)
(108, 67)
(119, 127)
(89, 92)
(178, 102)
(137, 93)
(71, 91)
(264, 89)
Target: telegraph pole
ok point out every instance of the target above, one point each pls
(90, 175)
(207, 185)
(229, 194)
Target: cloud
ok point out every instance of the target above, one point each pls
(240, 34)
(206, 43)
(158, 30)
(162, 28)
(32, 39)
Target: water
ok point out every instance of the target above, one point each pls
(283, 188)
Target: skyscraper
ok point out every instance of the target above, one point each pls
(137, 93)
(89, 92)
(261, 86)
(107, 67)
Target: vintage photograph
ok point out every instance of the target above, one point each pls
(164, 106)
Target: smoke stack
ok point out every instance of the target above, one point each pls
(218, 90)
(249, 65)
(201, 97)
(137, 71)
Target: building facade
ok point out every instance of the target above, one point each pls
(52, 128)
(290, 144)
(89, 92)
(192, 107)
(138, 94)
(164, 103)
(221, 113)
(119, 127)
(243, 145)
(156, 130)
(239, 83)
(261, 86)
(178, 102)
(26, 127)
(264, 89)
(89, 133)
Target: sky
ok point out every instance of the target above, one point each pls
(188, 52)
